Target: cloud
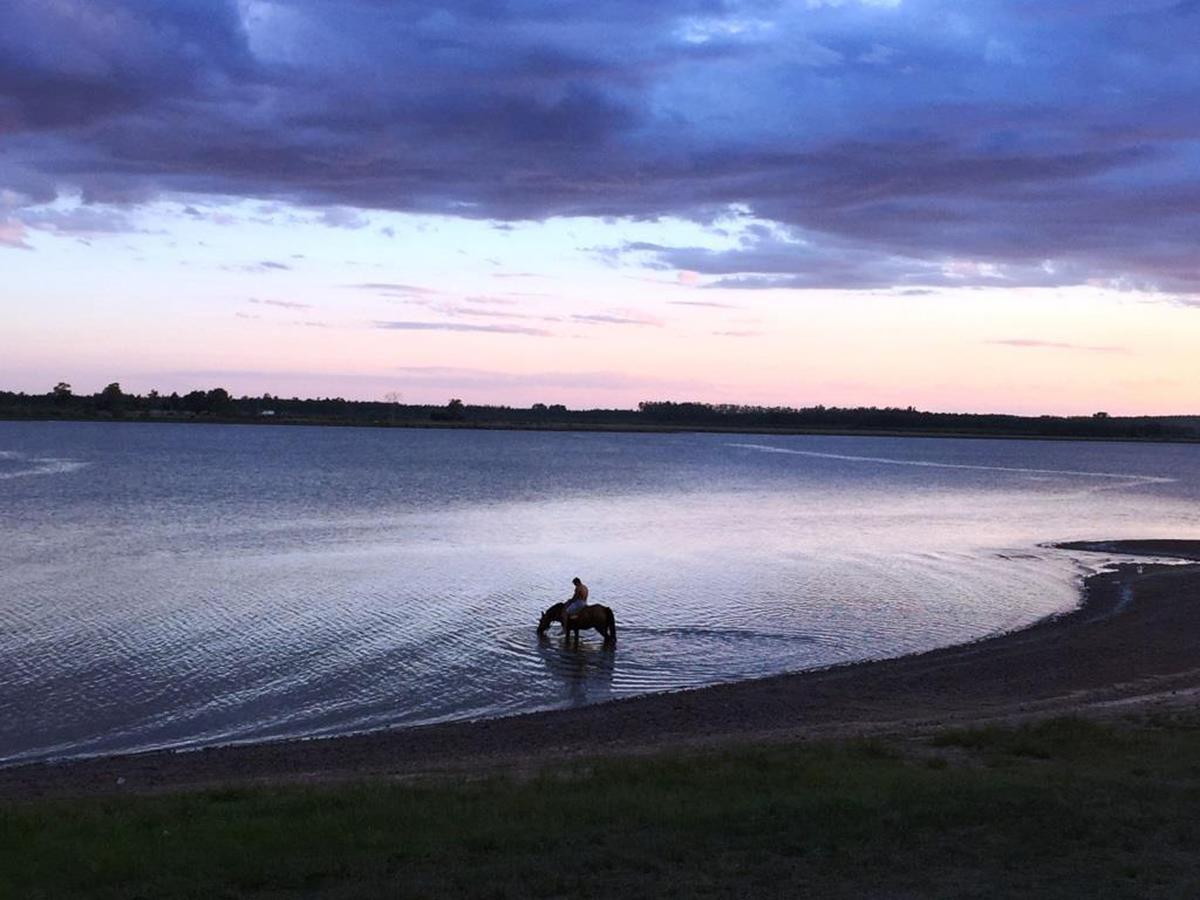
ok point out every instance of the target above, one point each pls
(891, 136)
(778, 257)
(462, 326)
(484, 379)
(12, 235)
(617, 317)
(1034, 344)
(283, 304)
(456, 310)
(495, 314)
(391, 287)
(492, 301)
(340, 217)
(706, 304)
(262, 266)
(78, 220)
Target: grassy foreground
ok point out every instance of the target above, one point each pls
(1064, 808)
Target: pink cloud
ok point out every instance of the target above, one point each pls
(12, 234)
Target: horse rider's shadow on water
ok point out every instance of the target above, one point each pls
(585, 670)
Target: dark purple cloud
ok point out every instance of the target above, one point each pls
(1047, 143)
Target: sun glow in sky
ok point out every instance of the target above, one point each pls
(984, 207)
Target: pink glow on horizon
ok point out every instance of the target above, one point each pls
(313, 310)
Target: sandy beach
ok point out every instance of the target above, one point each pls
(1130, 646)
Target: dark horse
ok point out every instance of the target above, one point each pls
(592, 616)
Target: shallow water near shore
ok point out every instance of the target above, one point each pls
(180, 586)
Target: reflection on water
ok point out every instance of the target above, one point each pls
(585, 671)
(182, 585)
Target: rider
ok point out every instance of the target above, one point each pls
(578, 600)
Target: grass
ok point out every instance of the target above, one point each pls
(1060, 809)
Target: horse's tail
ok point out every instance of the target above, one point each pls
(612, 624)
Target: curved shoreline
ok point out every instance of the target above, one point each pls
(1131, 643)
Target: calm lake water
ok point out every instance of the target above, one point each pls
(176, 585)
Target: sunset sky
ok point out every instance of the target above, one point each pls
(983, 206)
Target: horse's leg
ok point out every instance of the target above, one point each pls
(610, 623)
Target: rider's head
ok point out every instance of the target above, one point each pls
(576, 581)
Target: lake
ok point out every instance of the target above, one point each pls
(169, 585)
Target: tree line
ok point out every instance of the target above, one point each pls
(832, 418)
(217, 404)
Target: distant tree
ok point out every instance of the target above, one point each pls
(454, 409)
(393, 399)
(218, 401)
(112, 399)
(195, 401)
(1100, 415)
(538, 407)
(62, 394)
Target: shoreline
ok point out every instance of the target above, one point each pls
(631, 428)
(1128, 646)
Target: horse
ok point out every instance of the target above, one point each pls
(592, 616)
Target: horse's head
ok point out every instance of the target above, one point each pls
(549, 617)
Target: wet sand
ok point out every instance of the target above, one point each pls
(1132, 645)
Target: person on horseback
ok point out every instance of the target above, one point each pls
(576, 615)
(577, 602)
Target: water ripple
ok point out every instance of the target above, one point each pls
(229, 585)
(35, 465)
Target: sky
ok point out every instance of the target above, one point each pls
(963, 206)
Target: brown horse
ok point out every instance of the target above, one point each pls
(592, 616)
